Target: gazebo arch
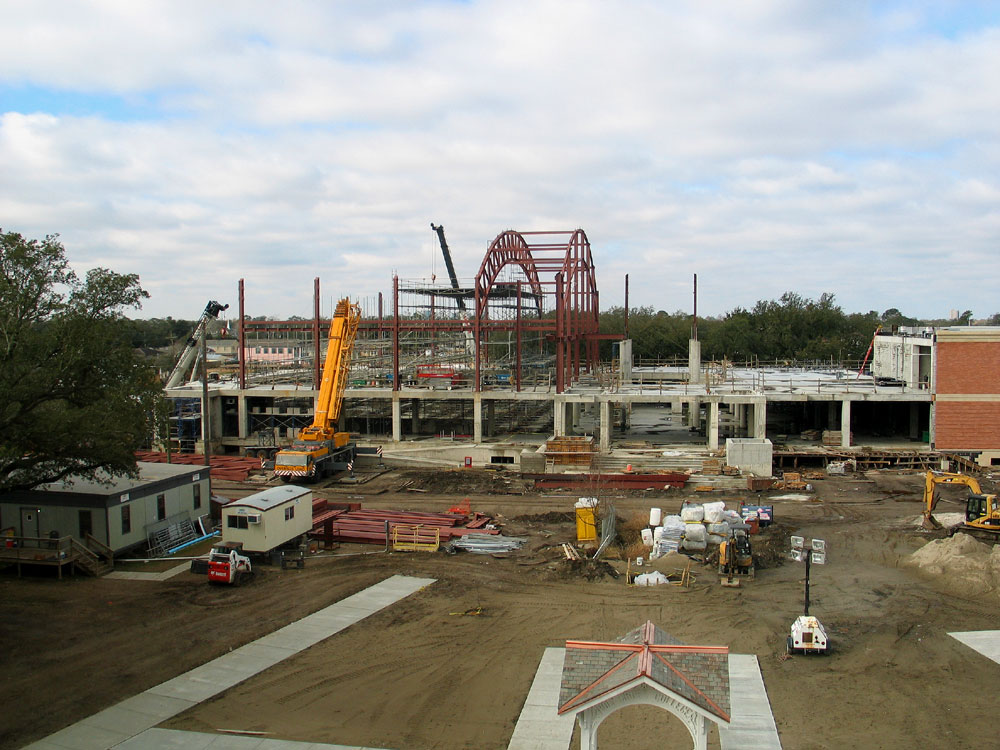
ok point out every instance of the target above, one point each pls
(645, 667)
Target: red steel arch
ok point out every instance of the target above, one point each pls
(556, 266)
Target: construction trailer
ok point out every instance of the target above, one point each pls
(267, 520)
(165, 502)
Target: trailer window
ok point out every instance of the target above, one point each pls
(289, 512)
(161, 507)
(197, 495)
(238, 522)
(126, 519)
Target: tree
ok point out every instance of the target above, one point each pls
(76, 400)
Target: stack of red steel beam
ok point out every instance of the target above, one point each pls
(233, 468)
(369, 526)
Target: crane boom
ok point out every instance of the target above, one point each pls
(212, 310)
(343, 330)
(448, 262)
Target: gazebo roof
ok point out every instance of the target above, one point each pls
(699, 674)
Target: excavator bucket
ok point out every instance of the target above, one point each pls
(930, 523)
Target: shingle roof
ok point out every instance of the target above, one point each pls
(699, 674)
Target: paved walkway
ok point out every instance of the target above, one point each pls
(986, 642)
(128, 575)
(135, 715)
(752, 725)
(539, 727)
(174, 739)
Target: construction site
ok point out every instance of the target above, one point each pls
(442, 519)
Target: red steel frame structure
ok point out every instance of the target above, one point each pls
(529, 285)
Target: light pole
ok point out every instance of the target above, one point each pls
(807, 634)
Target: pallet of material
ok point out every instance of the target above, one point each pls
(575, 450)
(711, 467)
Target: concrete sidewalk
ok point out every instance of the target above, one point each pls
(539, 727)
(174, 739)
(133, 716)
(986, 642)
(126, 575)
(752, 724)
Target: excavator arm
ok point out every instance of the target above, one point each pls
(931, 481)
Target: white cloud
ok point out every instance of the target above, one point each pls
(766, 146)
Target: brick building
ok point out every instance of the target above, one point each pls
(967, 392)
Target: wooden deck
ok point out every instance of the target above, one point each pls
(22, 551)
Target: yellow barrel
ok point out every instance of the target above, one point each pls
(586, 525)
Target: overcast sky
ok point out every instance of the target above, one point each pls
(843, 147)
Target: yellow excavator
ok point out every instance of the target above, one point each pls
(320, 450)
(982, 513)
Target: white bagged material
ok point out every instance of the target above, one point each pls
(664, 547)
(716, 539)
(693, 513)
(651, 579)
(675, 521)
(647, 536)
(714, 511)
(654, 516)
(691, 545)
(586, 502)
(722, 529)
(731, 516)
(657, 534)
(694, 532)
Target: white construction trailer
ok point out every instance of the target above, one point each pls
(268, 519)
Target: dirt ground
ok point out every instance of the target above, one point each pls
(426, 673)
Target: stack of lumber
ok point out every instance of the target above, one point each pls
(833, 437)
(574, 450)
(232, 468)
(711, 467)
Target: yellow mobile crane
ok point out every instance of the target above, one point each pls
(982, 513)
(320, 450)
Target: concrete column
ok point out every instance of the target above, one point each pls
(397, 422)
(760, 418)
(625, 360)
(694, 414)
(914, 421)
(831, 415)
(606, 427)
(713, 426)
(574, 411)
(845, 424)
(559, 418)
(477, 417)
(415, 416)
(242, 426)
(694, 361)
(741, 418)
(931, 425)
(677, 410)
(491, 418)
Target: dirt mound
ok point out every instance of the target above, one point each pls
(966, 566)
(591, 570)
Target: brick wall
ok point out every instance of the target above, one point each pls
(968, 367)
(967, 425)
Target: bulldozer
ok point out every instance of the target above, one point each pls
(982, 512)
(735, 558)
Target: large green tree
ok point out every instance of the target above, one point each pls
(74, 399)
